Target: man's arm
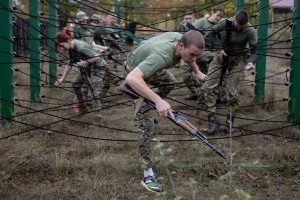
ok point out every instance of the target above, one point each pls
(66, 72)
(252, 41)
(135, 79)
(84, 63)
(97, 46)
(253, 45)
(198, 75)
(177, 118)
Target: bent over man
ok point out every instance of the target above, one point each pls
(147, 64)
(91, 63)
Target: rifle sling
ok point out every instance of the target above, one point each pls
(226, 48)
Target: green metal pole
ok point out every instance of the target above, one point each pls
(52, 30)
(83, 6)
(34, 49)
(6, 88)
(294, 90)
(240, 4)
(261, 62)
(117, 10)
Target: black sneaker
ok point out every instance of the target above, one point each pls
(151, 184)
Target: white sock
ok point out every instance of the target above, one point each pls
(148, 172)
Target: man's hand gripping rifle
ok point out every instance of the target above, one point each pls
(178, 119)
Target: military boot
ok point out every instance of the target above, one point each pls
(83, 110)
(213, 124)
(191, 97)
(227, 124)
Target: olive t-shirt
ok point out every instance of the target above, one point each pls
(84, 33)
(206, 25)
(155, 54)
(81, 51)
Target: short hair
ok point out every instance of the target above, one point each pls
(189, 12)
(61, 37)
(193, 37)
(218, 8)
(242, 17)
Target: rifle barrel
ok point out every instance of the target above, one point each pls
(215, 149)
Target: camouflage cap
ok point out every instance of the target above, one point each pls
(80, 16)
(95, 17)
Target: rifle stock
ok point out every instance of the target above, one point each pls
(87, 80)
(127, 90)
(179, 119)
(192, 27)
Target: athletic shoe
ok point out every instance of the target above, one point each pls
(151, 184)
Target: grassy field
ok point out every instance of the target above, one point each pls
(51, 163)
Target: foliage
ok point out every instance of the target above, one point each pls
(156, 10)
(145, 12)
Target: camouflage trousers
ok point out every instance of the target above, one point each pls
(96, 77)
(165, 81)
(233, 77)
(203, 63)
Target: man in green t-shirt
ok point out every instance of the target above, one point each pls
(236, 35)
(204, 24)
(147, 64)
